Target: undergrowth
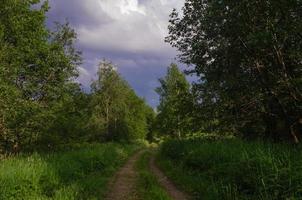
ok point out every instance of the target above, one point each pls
(234, 169)
(81, 173)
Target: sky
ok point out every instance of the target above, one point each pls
(130, 33)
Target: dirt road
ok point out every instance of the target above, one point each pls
(122, 186)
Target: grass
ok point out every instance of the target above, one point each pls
(81, 173)
(147, 187)
(234, 169)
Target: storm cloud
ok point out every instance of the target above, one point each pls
(130, 33)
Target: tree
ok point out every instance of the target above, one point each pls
(108, 100)
(117, 112)
(246, 54)
(175, 102)
(69, 118)
(151, 124)
(36, 66)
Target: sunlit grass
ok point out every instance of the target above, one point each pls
(82, 173)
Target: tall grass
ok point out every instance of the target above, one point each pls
(234, 169)
(82, 173)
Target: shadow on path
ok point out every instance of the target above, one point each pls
(166, 183)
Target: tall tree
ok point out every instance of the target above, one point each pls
(108, 100)
(247, 55)
(117, 112)
(36, 66)
(175, 102)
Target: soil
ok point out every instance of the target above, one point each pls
(166, 183)
(122, 186)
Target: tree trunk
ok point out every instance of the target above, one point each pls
(295, 130)
(293, 133)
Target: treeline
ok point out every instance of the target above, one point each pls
(117, 113)
(247, 57)
(41, 105)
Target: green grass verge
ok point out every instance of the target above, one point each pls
(234, 169)
(82, 173)
(147, 187)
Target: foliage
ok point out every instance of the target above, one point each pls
(247, 55)
(151, 124)
(41, 105)
(81, 173)
(36, 72)
(233, 169)
(70, 117)
(117, 112)
(175, 103)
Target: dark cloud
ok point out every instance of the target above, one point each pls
(130, 33)
(76, 12)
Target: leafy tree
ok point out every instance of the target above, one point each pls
(41, 105)
(108, 99)
(70, 116)
(247, 56)
(117, 112)
(151, 124)
(175, 102)
(36, 65)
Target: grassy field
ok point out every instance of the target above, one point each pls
(234, 169)
(81, 173)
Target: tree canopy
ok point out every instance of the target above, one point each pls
(116, 110)
(41, 104)
(175, 102)
(247, 55)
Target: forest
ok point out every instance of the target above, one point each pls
(233, 133)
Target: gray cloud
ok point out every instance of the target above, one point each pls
(128, 32)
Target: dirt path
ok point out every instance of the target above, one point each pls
(166, 183)
(122, 186)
